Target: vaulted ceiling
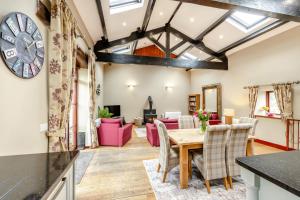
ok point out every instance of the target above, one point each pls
(189, 19)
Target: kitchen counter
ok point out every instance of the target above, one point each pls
(279, 170)
(33, 176)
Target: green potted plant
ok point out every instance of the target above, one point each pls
(104, 113)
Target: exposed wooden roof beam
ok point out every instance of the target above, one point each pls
(171, 18)
(214, 25)
(169, 62)
(198, 44)
(208, 30)
(256, 34)
(157, 43)
(102, 20)
(280, 9)
(147, 17)
(185, 50)
(177, 46)
(137, 35)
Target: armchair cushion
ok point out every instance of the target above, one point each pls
(167, 120)
(111, 121)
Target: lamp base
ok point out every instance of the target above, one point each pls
(228, 120)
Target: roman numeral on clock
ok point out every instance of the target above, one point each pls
(26, 70)
(29, 27)
(37, 63)
(20, 21)
(14, 29)
(8, 38)
(17, 64)
(39, 44)
(32, 66)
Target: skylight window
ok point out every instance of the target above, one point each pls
(117, 6)
(121, 50)
(188, 56)
(246, 21)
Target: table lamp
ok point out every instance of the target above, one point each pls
(228, 113)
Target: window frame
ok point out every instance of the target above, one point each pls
(130, 2)
(268, 101)
(244, 25)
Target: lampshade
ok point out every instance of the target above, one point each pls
(229, 112)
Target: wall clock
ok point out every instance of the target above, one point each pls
(21, 44)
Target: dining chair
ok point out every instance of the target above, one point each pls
(168, 157)
(248, 120)
(236, 147)
(254, 122)
(186, 122)
(211, 160)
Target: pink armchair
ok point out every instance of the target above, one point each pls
(152, 133)
(112, 133)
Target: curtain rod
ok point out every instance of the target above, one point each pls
(265, 85)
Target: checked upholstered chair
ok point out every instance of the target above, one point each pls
(186, 122)
(254, 122)
(248, 120)
(168, 157)
(236, 147)
(211, 162)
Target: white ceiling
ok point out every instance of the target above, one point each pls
(190, 19)
(89, 14)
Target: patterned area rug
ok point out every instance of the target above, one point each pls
(82, 164)
(196, 190)
(140, 132)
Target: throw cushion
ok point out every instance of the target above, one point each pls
(214, 116)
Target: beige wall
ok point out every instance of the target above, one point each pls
(273, 60)
(150, 81)
(23, 103)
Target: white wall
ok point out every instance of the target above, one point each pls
(23, 103)
(271, 61)
(150, 81)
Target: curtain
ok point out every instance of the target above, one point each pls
(92, 102)
(62, 55)
(284, 99)
(253, 93)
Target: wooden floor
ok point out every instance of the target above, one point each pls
(119, 173)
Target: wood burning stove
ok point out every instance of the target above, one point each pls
(150, 114)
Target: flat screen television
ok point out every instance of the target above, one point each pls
(114, 109)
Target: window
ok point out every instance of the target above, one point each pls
(117, 6)
(245, 21)
(119, 3)
(188, 56)
(272, 103)
(120, 50)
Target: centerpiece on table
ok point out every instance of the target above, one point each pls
(203, 117)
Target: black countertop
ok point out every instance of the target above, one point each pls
(282, 169)
(33, 176)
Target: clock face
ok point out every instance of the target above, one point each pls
(21, 45)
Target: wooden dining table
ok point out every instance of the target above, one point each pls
(189, 139)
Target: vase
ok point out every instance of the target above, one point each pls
(203, 126)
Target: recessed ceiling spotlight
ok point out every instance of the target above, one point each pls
(161, 13)
(176, 38)
(221, 37)
(124, 24)
(192, 19)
